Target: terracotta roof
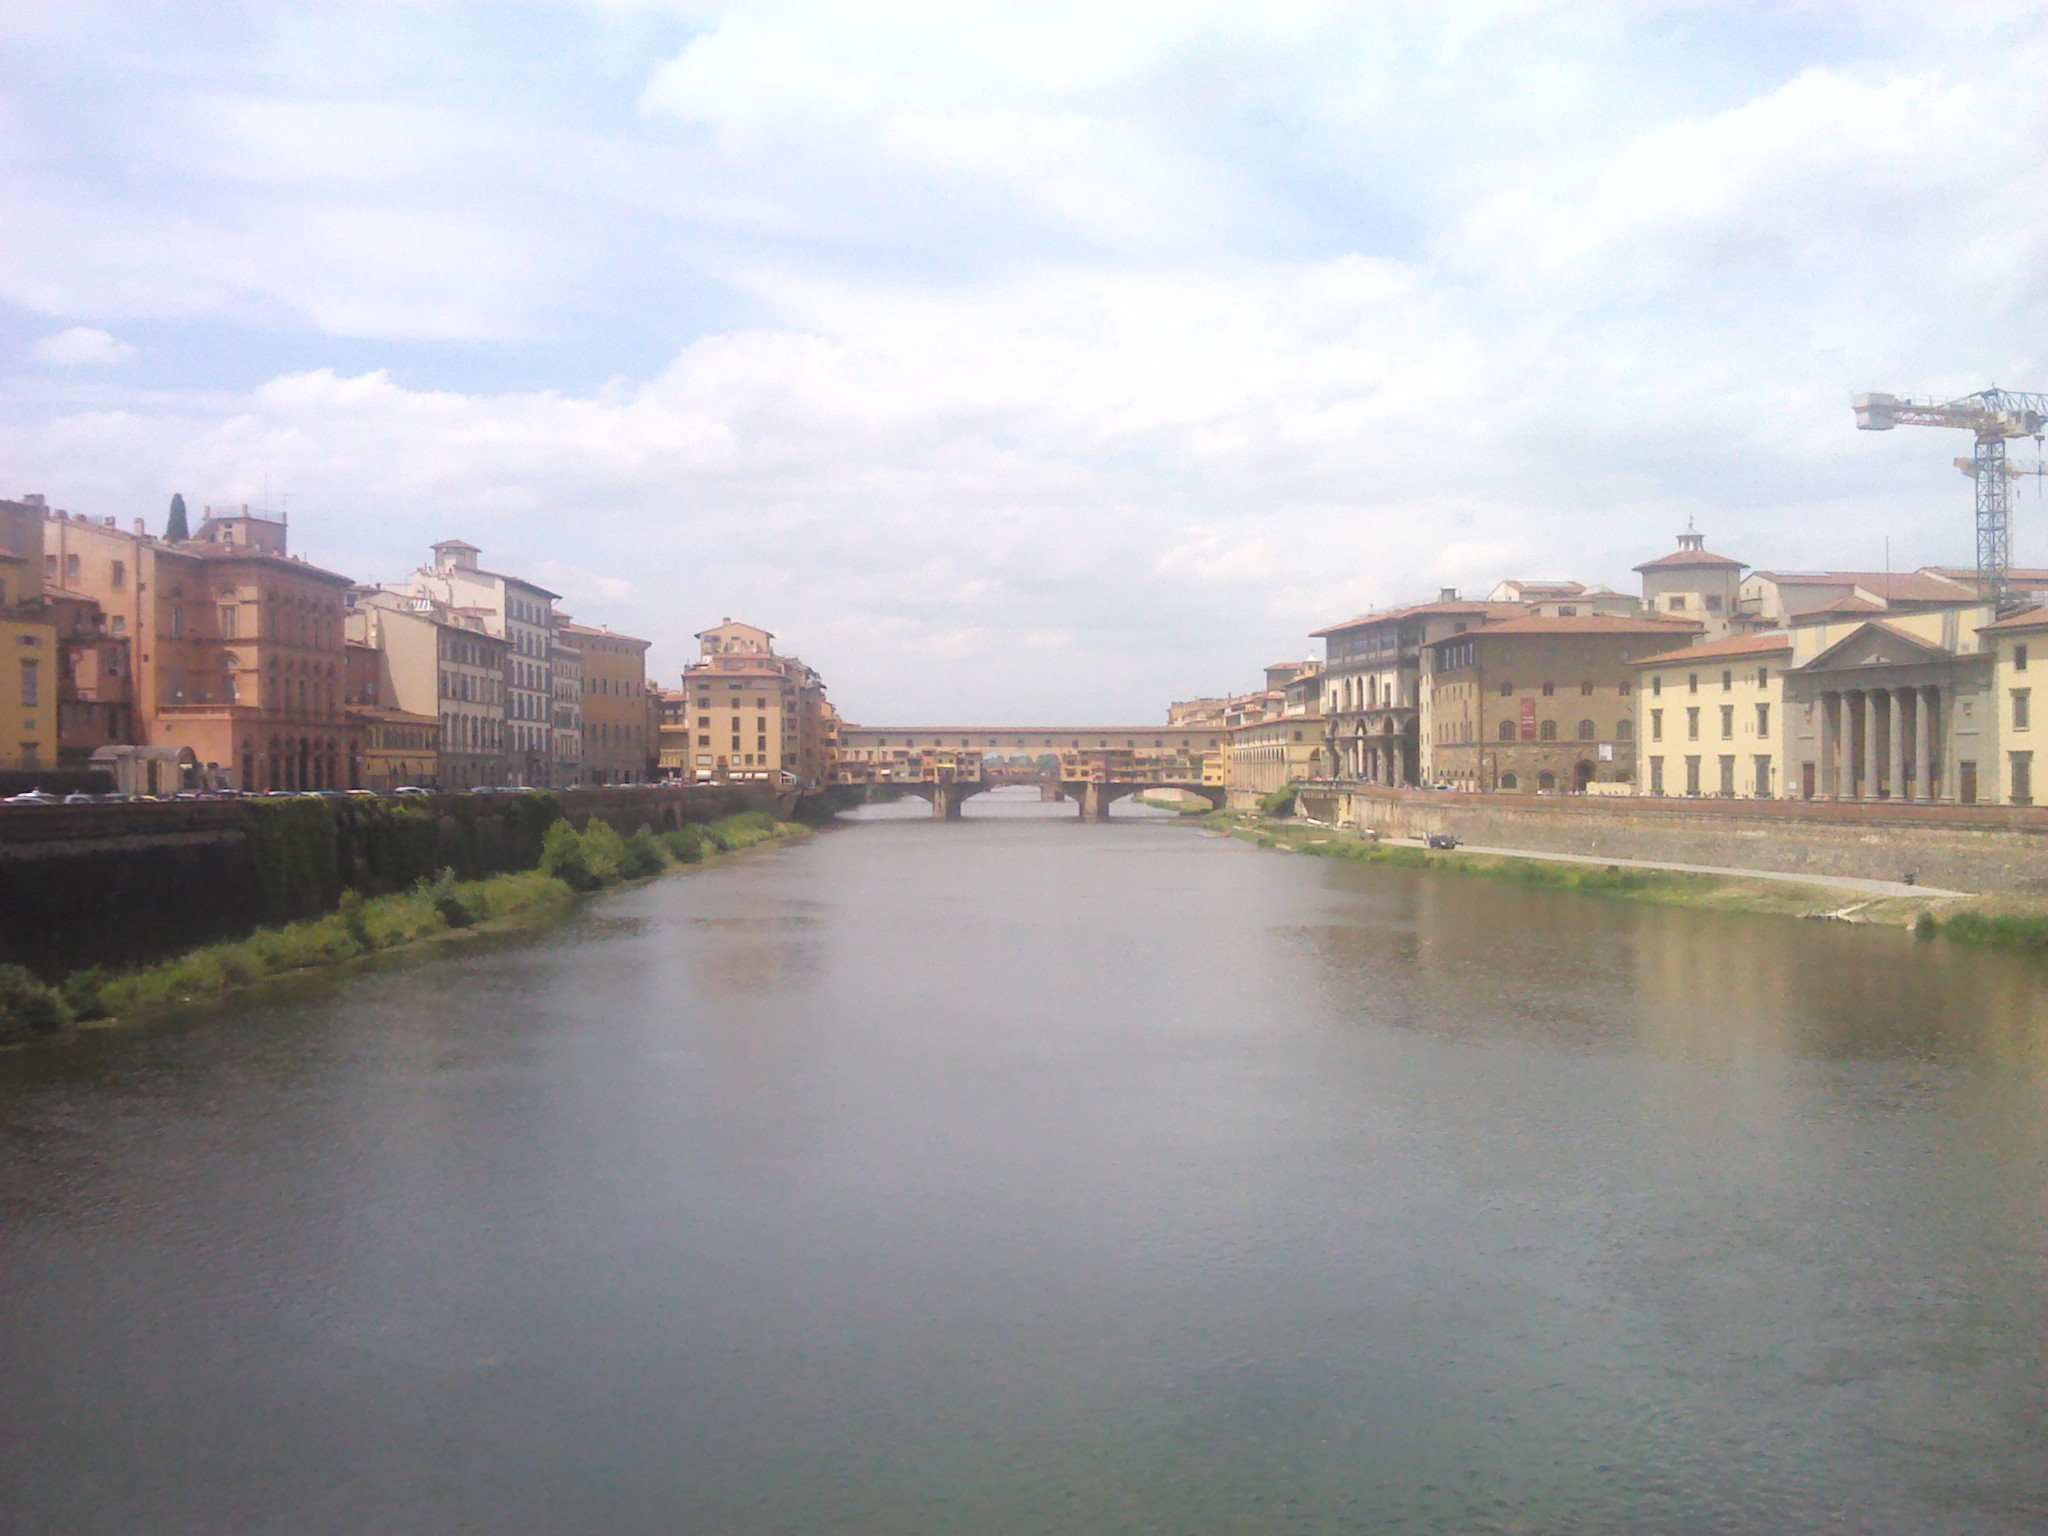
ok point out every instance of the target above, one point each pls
(1459, 605)
(1852, 604)
(2026, 618)
(1892, 586)
(1680, 558)
(603, 634)
(1769, 642)
(1583, 624)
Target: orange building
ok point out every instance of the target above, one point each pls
(617, 746)
(236, 647)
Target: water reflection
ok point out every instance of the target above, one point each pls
(1028, 1175)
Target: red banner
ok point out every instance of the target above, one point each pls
(1528, 719)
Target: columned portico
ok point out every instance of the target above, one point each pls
(1878, 714)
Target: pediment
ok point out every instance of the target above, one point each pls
(1876, 645)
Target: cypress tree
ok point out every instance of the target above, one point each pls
(177, 529)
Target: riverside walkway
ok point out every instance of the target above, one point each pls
(1788, 877)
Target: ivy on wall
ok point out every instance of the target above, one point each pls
(295, 846)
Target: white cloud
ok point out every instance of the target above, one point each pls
(83, 347)
(1096, 353)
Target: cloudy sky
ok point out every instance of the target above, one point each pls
(1038, 362)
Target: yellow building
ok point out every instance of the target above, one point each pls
(1266, 754)
(2015, 643)
(751, 714)
(616, 746)
(1711, 719)
(29, 655)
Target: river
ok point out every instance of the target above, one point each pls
(1017, 1175)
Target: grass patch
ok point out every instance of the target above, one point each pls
(1990, 927)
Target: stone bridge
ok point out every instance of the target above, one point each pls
(1091, 765)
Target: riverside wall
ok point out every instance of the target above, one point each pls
(125, 884)
(1999, 850)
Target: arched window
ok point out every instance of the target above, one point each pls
(1624, 729)
(1547, 731)
(1509, 781)
(1546, 782)
(1507, 730)
(1585, 730)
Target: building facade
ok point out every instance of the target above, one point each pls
(2015, 644)
(236, 646)
(1711, 719)
(1692, 582)
(753, 714)
(1538, 704)
(521, 613)
(617, 745)
(445, 666)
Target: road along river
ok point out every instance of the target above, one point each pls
(1022, 1175)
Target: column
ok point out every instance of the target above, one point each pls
(1923, 746)
(1845, 746)
(1895, 714)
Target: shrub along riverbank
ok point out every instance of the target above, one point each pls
(1990, 922)
(569, 862)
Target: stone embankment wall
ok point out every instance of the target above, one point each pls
(123, 884)
(1992, 849)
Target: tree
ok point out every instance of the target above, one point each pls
(177, 529)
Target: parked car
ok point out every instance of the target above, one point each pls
(411, 789)
(32, 797)
(79, 797)
(1440, 840)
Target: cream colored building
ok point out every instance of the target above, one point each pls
(1692, 582)
(752, 714)
(1711, 719)
(446, 665)
(1269, 753)
(2015, 644)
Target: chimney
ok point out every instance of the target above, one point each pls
(140, 526)
(35, 499)
(1447, 594)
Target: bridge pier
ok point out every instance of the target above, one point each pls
(948, 798)
(1095, 799)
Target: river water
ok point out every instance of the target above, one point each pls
(1020, 1175)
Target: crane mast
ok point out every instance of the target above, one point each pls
(1994, 415)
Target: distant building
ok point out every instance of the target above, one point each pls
(617, 745)
(1711, 718)
(29, 652)
(1692, 582)
(521, 613)
(751, 713)
(236, 644)
(2016, 643)
(1276, 749)
(400, 747)
(1538, 704)
(442, 664)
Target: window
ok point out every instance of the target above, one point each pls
(120, 574)
(1656, 725)
(1546, 782)
(1692, 775)
(1509, 781)
(1567, 611)
(1727, 722)
(1585, 690)
(31, 684)
(1763, 776)
(1656, 685)
(1627, 689)
(1675, 602)
(1727, 682)
(2022, 778)
(1656, 775)
(1692, 725)
(1763, 719)
(1507, 730)
(1763, 676)
(1713, 602)
(1585, 730)
(1547, 731)
(1692, 682)
(228, 620)
(2022, 708)
(71, 570)
(1549, 689)
(2019, 658)
(1506, 689)
(120, 626)
(1727, 778)
(1624, 729)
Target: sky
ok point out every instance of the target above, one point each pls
(1030, 363)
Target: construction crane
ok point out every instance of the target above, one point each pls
(1995, 415)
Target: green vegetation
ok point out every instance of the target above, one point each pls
(435, 905)
(1278, 803)
(1991, 925)
(29, 1007)
(295, 847)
